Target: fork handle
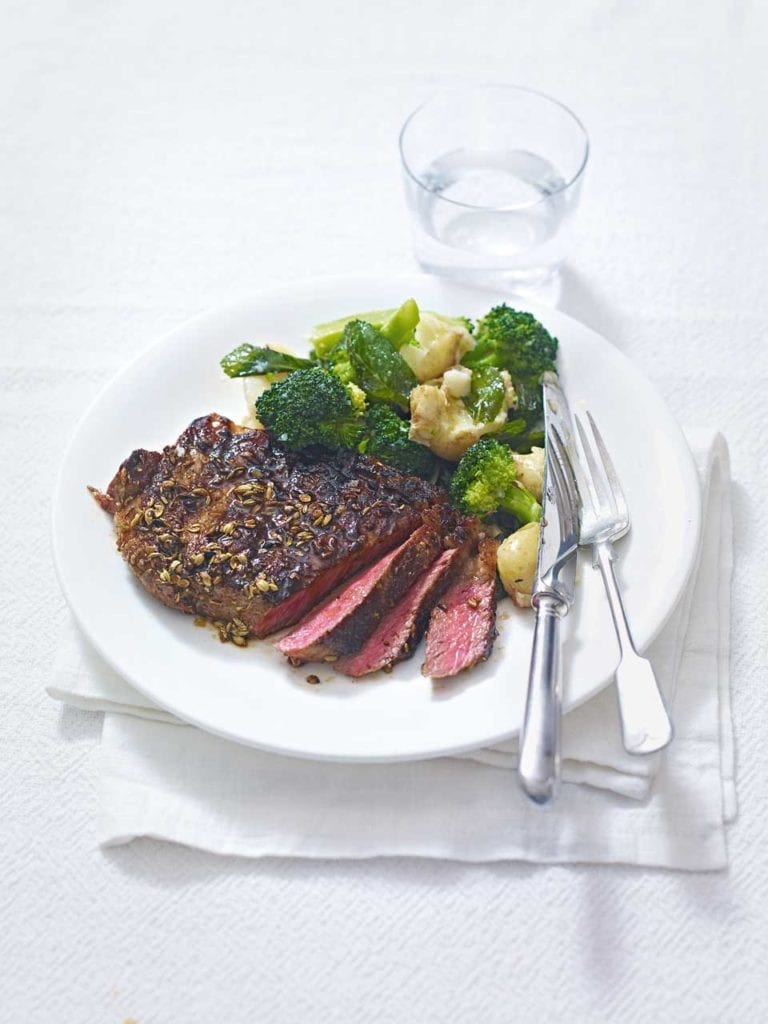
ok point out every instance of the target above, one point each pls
(645, 721)
(539, 763)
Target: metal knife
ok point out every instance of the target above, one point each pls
(553, 591)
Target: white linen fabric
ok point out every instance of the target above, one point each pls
(175, 782)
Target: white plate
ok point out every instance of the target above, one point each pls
(252, 695)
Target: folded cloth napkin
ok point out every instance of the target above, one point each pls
(170, 781)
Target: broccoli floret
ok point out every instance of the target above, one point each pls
(388, 440)
(357, 397)
(517, 342)
(310, 407)
(338, 362)
(485, 482)
(513, 341)
(465, 322)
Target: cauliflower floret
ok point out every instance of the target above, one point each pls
(444, 424)
(509, 387)
(530, 471)
(457, 381)
(516, 561)
(439, 344)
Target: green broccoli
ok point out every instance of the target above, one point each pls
(510, 340)
(310, 407)
(338, 362)
(357, 397)
(388, 440)
(485, 482)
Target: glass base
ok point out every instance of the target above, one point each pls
(541, 285)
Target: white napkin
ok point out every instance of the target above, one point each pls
(163, 779)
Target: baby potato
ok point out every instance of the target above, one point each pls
(530, 471)
(516, 562)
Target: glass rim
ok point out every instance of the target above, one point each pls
(511, 88)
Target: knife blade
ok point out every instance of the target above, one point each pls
(553, 593)
(556, 566)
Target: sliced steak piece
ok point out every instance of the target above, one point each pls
(400, 630)
(462, 627)
(342, 623)
(226, 524)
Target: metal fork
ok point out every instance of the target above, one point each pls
(645, 722)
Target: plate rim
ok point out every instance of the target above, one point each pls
(243, 303)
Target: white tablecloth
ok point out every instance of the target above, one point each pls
(161, 158)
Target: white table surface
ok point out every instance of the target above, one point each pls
(160, 158)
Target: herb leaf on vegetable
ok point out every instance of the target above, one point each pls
(486, 398)
(376, 366)
(251, 360)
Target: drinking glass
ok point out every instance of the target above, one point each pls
(492, 178)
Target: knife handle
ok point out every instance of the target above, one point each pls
(539, 764)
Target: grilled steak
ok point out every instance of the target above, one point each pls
(462, 627)
(400, 630)
(343, 622)
(227, 525)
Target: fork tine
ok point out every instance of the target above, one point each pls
(596, 480)
(610, 470)
(584, 468)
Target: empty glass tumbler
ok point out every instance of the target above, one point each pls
(492, 178)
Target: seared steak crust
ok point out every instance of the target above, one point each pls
(227, 525)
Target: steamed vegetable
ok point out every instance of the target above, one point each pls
(339, 362)
(376, 366)
(438, 343)
(311, 406)
(488, 389)
(457, 381)
(397, 325)
(510, 340)
(248, 360)
(486, 482)
(399, 328)
(450, 425)
(516, 434)
(388, 440)
(530, 471)
(325, 337)
(516, 561)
